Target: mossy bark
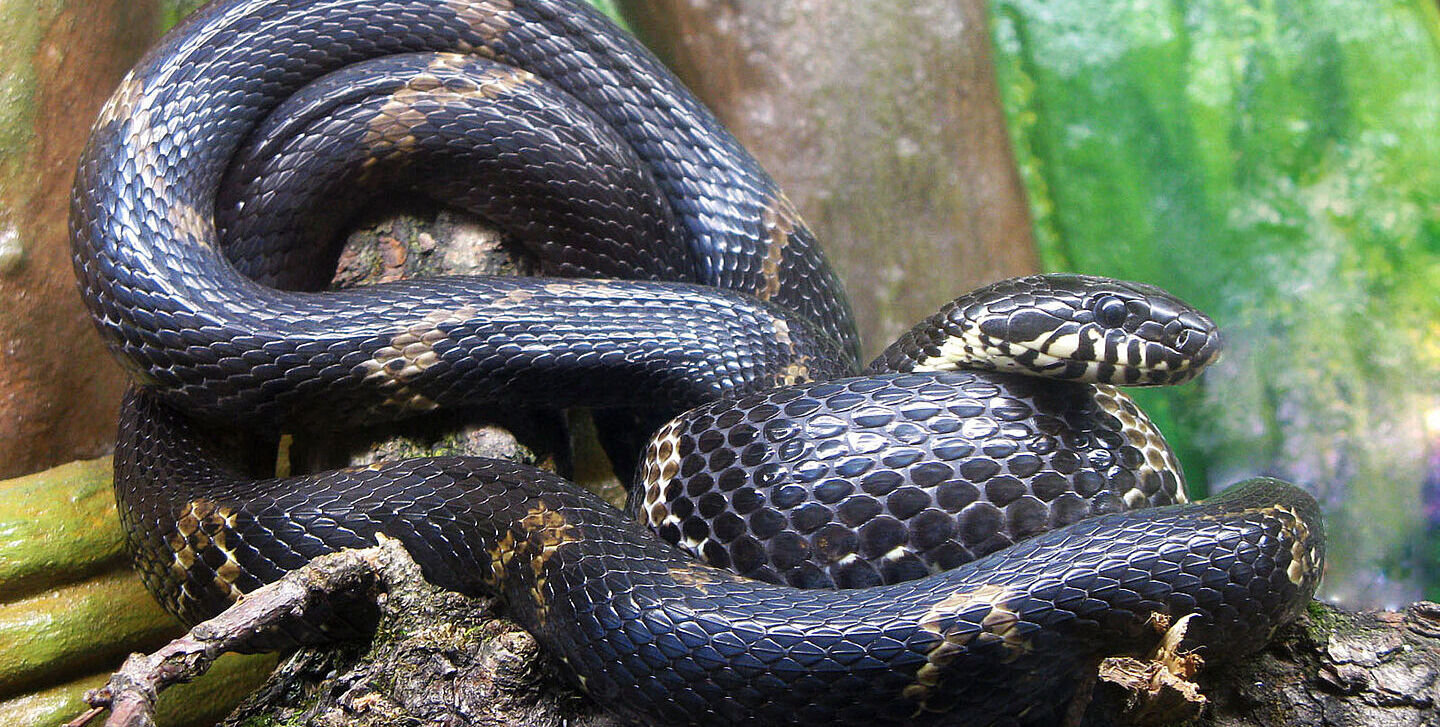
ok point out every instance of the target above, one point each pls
(71, 608)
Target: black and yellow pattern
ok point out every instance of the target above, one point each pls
(285, 116)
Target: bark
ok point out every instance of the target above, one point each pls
(881, 121)
(1339, 668)
(437, 657)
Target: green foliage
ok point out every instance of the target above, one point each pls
(610, 8)
(1277, 164)
(171, 11)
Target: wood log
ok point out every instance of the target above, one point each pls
(437, 657)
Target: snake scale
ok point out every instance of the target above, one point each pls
(195, 209)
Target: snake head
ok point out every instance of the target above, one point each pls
(1073, 327)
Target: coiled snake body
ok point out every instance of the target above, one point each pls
(1004, 638)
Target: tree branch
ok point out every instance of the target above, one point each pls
(440, 658)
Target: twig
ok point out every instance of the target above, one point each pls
(85, 718)
(131, 692)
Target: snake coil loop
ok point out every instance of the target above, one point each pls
(259, 126)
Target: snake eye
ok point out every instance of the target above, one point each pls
(1110, 311)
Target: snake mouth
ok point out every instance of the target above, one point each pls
(1088, 352)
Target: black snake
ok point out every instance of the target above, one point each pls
(1005, 638)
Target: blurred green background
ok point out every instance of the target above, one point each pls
(1278, 165)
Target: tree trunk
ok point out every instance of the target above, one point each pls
(881, 121)
(58, 389)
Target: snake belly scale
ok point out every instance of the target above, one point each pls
(1004, 638)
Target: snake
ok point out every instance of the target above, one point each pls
(194, 220)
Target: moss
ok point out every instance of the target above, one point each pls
(1323, 620)
(1276, 165)
(270, 720)
(20, 31)
(60, 527)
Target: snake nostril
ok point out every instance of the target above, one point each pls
(1212, 347)
(1196, 343)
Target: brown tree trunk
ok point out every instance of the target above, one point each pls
(881, 121)
(59, 390)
